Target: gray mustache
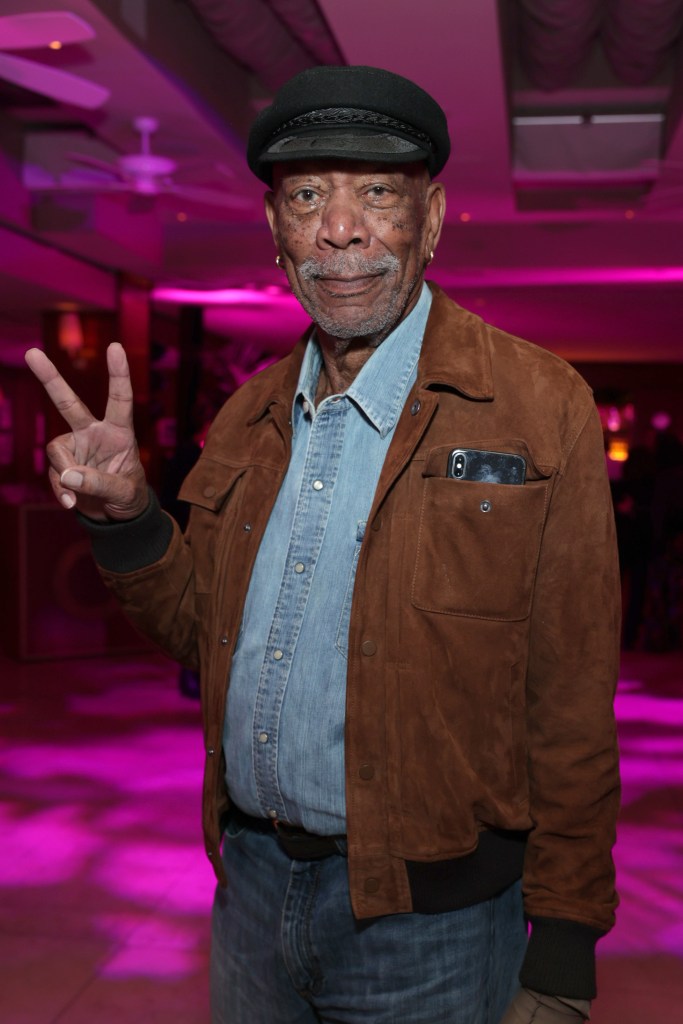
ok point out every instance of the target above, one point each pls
(345, 264)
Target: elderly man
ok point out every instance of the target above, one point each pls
(399, 583)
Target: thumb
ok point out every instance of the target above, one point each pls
(123, 497)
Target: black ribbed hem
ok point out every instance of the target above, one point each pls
(497, 862)
(560, 958)
(133, 544)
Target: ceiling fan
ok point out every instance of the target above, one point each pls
(47, 30)
(143, 174)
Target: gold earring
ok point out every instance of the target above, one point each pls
(278, 261)
(431, 256)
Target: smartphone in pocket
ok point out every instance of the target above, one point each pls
(486, 467)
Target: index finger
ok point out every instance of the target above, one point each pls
(63, 397)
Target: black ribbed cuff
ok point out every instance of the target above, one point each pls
(560, 958)
(132, 544)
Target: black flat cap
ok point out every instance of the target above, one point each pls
(352, 113)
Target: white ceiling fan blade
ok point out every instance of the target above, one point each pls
(58, 85)
(209, 196)
(95, 163)
(77, 187)
(40, 28)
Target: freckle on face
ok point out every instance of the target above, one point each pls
(387, 252)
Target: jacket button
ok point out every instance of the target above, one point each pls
(367, 772)
(368, 647)
(247, 527)
(224, 640)
(485, 506)
(209, 854)
(210, 751)
(415, 407)
(209, 492)
(371, 885)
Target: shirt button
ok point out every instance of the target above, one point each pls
(366, 772)
(415, 407)
(263, 737)
(318, 485)
(371, 885)
(299, 567)
(278, 655)
(272, 813)
(306, 407)
(368, 647)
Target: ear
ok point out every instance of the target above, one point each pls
(436, 211)
(271, 215)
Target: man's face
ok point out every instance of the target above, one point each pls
(355, 239)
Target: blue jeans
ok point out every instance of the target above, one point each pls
(286, 949)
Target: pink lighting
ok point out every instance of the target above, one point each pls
(221, 296)
(102, 863)
(661, 420)
(478, 277)
(70, 333)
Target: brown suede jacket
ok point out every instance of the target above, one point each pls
(483, 647)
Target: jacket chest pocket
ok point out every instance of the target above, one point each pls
(210, 488)
(478, 543)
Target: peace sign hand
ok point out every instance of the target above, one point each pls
(97, 466)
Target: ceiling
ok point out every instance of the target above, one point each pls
(565, 187)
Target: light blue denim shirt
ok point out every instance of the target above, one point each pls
(284, 723)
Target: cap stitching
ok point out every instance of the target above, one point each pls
(345, 115)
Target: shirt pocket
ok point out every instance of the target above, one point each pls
(478, 543)
(342, 642)
(208, 488)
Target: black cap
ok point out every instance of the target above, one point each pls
(352, 113)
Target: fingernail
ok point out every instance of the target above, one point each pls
(67, 501)
(71, 478)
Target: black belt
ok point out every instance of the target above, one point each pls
(296, 842)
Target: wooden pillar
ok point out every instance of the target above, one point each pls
(190, 337)
(76, 342)
(134, 334)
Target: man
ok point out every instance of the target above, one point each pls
(418, 725)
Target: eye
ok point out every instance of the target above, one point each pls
(305, 195)
(380, 194)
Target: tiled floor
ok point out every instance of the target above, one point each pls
(105, 893)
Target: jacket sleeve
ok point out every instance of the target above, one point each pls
(571, 735)
(149, 567)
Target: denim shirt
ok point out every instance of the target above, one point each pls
(284, 725)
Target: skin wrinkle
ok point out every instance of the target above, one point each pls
(351, 221)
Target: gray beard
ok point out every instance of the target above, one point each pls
(379, 320)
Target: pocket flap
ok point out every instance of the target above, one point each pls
(209, 483)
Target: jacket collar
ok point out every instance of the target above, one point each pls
(455, 354)
(456, 351)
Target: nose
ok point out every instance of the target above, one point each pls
(343, 223)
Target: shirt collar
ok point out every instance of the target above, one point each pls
(380, 388)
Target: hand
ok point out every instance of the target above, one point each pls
(97, 466)
(529, 1006)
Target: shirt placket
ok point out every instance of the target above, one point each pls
(321, 466)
